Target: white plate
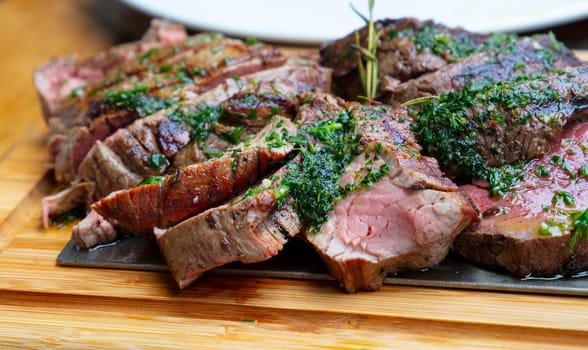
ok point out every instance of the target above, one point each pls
(315, 21)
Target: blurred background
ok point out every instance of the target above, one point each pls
(309, 22)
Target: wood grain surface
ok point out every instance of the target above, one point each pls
(46, 306)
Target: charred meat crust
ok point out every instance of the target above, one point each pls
(522, 57)
(398, 56)
(248, 230)
(194, 188)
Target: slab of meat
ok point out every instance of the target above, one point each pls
(56, 80)
(514, 59)
(530, 230)
(407, 48)
(388, 225)
(502, 123)
(249, 229)
(125, 159)
(198, 187)
(210, 64)
(407, 219)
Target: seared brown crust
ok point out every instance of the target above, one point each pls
(249, 229)
(399, 60)
(542, 256)
(194, 188)
(271, 83)
(219, 59)
(523, 57)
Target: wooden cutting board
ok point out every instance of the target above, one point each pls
(43, 305)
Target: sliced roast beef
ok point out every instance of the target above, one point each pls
(249, 229)
(136, 98)
(407, 48)
(196, 188)
(285, 80)
(401, 213)
(539, 227)
(501, 123)
(315, 107)
(519, 58)
(388, 220)
(56, 80)
(157, 72)
(182, 136)
(282, 80)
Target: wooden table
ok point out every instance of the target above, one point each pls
(46, 306)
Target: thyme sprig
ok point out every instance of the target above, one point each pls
(367, 62)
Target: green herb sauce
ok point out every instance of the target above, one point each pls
(153, 180)
(157, 161)
(201, 121)
(326, 148)
(579, 226)
(447, 126)
(233, 136)
(137, 100)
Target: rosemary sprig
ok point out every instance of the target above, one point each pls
(419, 100)
(366, 57)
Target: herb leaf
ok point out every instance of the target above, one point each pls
(136, 99)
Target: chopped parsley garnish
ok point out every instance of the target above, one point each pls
(579, 227)
(561, 161)
(447, 126)
(198, 71)
(183, 76)
(252, 191)
(432, 38)
(541, 171)
(202, 38)
(275, 139)
(212, 153)
(502, 179)
(79, 91)
(164, 68)
(145, 57)
(313, 182)
(251, 41)
(445, 130)
(157, 161)
(137, 100)
(566, 196)
(202, 121)
(233, 136)
(583, 171)
(572, 222)
(153, 180)
(326, 148)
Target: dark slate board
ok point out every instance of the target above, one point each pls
(298, 261)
